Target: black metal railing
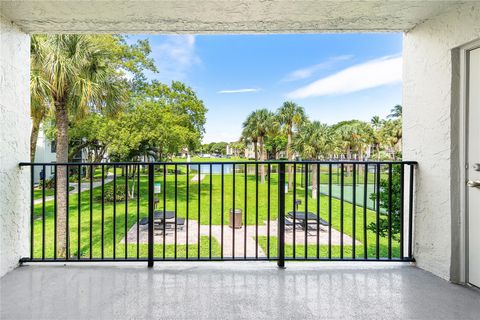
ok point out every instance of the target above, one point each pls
(310, 210)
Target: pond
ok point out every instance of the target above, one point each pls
(227, 168)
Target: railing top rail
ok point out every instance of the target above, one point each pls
(26, 164)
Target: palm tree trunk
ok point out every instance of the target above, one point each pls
(349, 157)
(33, 139)
(133, 171)
(314, 181)
(61, 116)
(255, 150)
(262, 158)
(289, 157)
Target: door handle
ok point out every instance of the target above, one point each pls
(473, 183)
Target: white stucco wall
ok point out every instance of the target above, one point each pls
(431, 128)
(14, 144)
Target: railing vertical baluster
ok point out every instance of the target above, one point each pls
(222, 208)
(67, 220)
(43, 210)
(233, 222)
(365, 194)
(256, 210)
(54, 212)
(306, 209)
(91, 209)
(103, 212)
(245, 212)
(164, 210)
(151, 178)
(390, 211)
(281, 215)
(138, 212)
(32, 210)
(342, 191)
(294, 204)
(329, 211)
(377, 249)
(176, 210)
(114, 211)
(210, 216)
(269, 172)
(126, 212)
(187, 202)
(79, 207)
(198, 210)
(402, 203)
(410, 213)
(318, 208)
(354, 210)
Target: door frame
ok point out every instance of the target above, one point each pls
(463, 150)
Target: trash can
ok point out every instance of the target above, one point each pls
(235, 218)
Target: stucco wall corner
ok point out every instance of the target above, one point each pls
(15, 128)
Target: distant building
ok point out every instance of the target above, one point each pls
(229, 151)
(44, 152)
(250, 151)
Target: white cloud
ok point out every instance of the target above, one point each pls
(175, 56)
(311, 70)
(371, 74)
(239, 90)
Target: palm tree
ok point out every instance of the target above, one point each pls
(313, 140)
(290, 116)
(392, 135)
(250, 133)
(74, 71)
(377, 136)
(395, 112)
(260, 123)
(40, 101)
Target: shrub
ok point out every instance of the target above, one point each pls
(109, 194)
(383, 226)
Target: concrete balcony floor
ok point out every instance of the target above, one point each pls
(243, 290)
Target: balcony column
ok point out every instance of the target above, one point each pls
(15, 128)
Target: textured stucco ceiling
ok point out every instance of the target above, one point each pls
(221, 16)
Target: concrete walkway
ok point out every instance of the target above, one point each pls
(229, 290)
(84, 186)
(239, 234)
(196, 178)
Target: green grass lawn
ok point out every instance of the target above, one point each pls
(199, 208)
(37, 192)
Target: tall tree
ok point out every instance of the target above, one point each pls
(377, 123)
(260, 123)
(314, 140)
(79, 79)
(250, 133)
(40, 100)
(290, 116)
(395, 112)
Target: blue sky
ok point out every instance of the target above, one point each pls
(333, 76)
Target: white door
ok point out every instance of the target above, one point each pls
(473, 167)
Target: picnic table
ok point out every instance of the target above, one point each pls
(163, 215)
(306, 219)
(160, 218)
